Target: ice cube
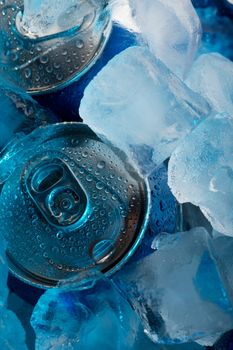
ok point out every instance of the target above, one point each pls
(178, 290)
(141, 106)
(121, 13)
(48, 17)
(12, 335)
(221, 249)
(201, 171)
(212, 77)
(20, 114)
(97, 318)
(22, 309)
(143, 342)
(172, 30)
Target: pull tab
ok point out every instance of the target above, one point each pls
(57, 193)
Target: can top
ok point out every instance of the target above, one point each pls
(45, 64)
(70, 204)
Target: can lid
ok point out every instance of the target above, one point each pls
(41, 65)
(71, 204)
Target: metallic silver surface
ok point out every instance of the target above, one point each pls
(41, 65)
(71, 204)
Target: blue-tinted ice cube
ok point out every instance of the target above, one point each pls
(142, 107)
(12, 335)
(221, 249)
(23, 310)
(172, 30)
(97, 318)
(179, 291)
(143, 342)
(212, 77)
(201, 171)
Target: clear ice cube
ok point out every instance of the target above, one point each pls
(141, 106)
(172, 30)
(178, 291)
(221, 250)
(212, 77)
(144, 342)
(201, 171)
(96, 318)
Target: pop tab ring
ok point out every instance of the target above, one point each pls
(48, 63)
(71, 204)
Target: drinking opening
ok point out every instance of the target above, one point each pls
(47, 177)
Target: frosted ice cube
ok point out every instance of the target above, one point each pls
(212, 77)
(172, 30)
(47, 17)
(178, 290)
(97, 318)
(141, 106)
(221, 250)
(121, 13)
(201, 171)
